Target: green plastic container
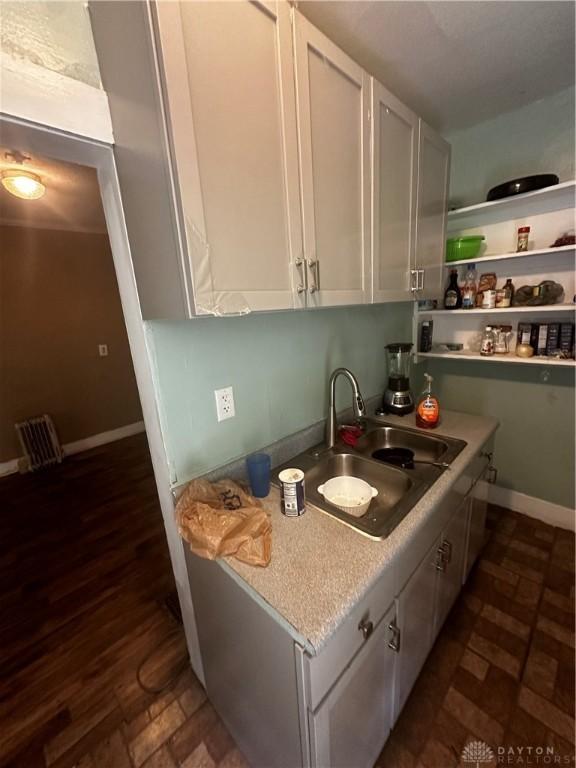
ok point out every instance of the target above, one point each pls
(466, 247)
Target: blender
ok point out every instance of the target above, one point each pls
(397, 396)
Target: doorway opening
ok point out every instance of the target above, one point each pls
(90, 630)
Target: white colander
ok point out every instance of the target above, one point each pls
(350, 494)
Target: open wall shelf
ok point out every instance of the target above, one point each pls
(547, 308)
(479, 260)
(557, 196)
(549, 213)
(510, 358)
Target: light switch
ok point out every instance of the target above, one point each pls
(103, 350)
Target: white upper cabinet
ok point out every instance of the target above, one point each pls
(230, 91)
(250, 167)
(334, 131)
(432, 209)
(394, 182)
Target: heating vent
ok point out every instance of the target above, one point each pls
(39, 443)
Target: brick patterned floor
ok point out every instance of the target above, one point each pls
(502, 669)
(501, 672)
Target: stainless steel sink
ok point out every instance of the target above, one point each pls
(398, 489)
(425, 447)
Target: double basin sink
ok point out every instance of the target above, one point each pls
(399, 489)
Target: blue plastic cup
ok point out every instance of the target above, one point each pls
(258, 466)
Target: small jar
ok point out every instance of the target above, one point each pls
(504, 295)
(523, 235)
(488, 343)
(501, 298)
(489, 299)
(502, 334)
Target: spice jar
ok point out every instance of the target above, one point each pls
(488, 343)
(489, 299)
(523, 235)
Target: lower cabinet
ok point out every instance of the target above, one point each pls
(478, 504)
(425, 601)
(352, 723)
(450, 559)
(335, 709)
(415, 609)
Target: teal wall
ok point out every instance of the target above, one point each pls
(534, 449)
(277, 363)
(538, 138)
(535, 442)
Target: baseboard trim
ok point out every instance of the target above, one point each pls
(103, 437)
(546, 511)
(8, 467)
(85, 444)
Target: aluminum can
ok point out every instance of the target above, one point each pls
(293, 500)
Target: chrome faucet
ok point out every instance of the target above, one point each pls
(357, 404)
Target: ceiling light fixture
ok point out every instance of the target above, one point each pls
(23, 184)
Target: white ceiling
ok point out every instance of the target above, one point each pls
(72, 200)
(456, 63)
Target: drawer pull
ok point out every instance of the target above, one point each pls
(394, 642)
(366, 627)
(446, 547)
(440, 563)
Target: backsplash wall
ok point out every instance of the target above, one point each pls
(278, 364)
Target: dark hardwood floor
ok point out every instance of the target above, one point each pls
(84, 576)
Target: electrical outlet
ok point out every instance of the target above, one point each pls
(103, 350)
(224, 403)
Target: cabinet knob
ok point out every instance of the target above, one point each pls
(366, 627)
(300, 288)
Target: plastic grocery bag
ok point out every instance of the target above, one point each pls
(221, 519)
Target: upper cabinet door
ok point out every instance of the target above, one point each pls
(432, 205)
(333, 124)
(394, 182)
(228, 70)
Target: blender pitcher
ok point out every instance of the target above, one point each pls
(397, 397)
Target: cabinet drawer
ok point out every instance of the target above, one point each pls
(323, 670)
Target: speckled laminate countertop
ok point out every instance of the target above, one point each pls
(320, 568)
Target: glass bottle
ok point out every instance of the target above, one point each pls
(470, 288)
(488, 344)
(453, 294)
